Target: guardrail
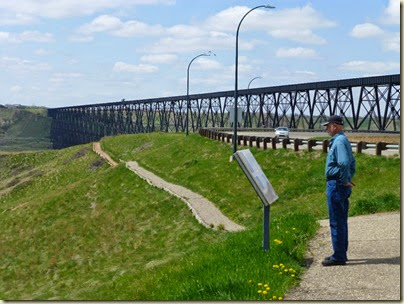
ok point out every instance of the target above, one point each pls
(264, 141)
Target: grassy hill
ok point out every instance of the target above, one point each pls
(24, 129)
(75, 229)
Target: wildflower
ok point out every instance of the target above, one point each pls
(292, 275)
(278, 242)
(286, 270)
(274, 297)
(293, 228)
(280, 298)
(259, 284)
(280, 272)
(268, 288)
(259, 291)
(265, 292)
(266, 285)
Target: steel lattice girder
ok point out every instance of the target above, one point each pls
(370, 103)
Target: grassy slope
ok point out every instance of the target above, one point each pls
(76, 229)
(24, 129)
(298, 178)
(59, 244)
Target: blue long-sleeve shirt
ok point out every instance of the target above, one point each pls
(340, 164)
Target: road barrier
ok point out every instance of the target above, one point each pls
(296, 143)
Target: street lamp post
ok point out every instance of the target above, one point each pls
(189, 65)
(248, 87)
(236, 77)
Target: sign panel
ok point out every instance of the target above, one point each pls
(256, 176)
(239, 115)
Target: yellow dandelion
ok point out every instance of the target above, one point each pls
(274, 297)
(280, 272)
(293, 228)
(268, 288)
(265, 292)
(259, 291)
(266, 285)
(292, 275)
(291, 269)
(250, 281)
(259, 284)
(280, 298)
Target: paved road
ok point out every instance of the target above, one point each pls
(373, 269)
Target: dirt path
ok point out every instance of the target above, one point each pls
(204, 211)
(97, 149)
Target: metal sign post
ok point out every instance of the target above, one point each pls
(260, 184)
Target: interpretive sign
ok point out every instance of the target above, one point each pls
(239, 115)
(256, 176)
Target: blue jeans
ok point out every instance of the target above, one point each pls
(338, 204)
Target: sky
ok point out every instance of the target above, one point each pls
(58, 53)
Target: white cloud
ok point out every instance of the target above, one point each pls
(131, 68)
(366, 30)
(392, 12)
(21, 65)
(62, 77)
(41, 52)
(298, 52)
(16, 89)
(296, 24)
(371, 67)
(26, 36)
(103, 23)
(29, 11)
(160, 58)
(114, 26)
(392, 42)
(205, 63)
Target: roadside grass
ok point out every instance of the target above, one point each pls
(81, 230)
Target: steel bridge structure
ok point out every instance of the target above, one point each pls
(366, 104)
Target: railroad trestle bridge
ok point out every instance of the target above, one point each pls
(366, 104)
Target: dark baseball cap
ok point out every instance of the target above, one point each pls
(336, 119)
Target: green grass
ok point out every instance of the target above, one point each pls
(24, 129)
(75, 229)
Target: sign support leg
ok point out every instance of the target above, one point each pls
(266, 228)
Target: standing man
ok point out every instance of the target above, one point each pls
(339, 171)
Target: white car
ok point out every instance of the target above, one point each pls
(282, 132)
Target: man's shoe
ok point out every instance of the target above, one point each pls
(329, 258)
(329, 262)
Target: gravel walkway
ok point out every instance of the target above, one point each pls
(204, 211)
(372, 271)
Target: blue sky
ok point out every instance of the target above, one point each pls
(69, 52)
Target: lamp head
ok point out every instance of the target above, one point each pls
(269, 6)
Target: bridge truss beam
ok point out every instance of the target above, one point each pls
(366, 104)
